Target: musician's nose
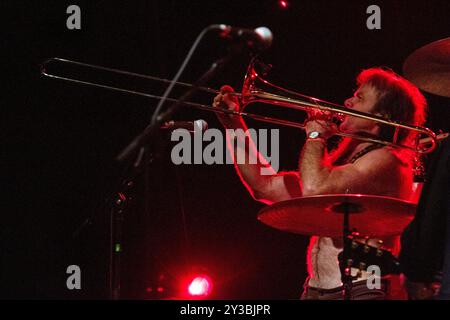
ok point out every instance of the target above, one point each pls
(348, 103)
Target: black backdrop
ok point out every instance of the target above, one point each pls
(59, 139)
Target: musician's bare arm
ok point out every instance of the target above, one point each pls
(266, 188)
(263, 187)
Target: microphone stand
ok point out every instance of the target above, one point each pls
(153, 128)
(139, 145)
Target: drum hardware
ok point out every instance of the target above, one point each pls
(329, 216)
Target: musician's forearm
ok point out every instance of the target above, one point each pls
(250, 172)
(313, 169)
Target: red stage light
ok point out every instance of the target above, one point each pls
(200, 286)
(283, 4)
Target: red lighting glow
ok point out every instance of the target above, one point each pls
(283, 4)
(200, 286)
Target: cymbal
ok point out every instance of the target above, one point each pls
(322, 215)
(429, 67)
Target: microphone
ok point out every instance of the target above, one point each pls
(192, 126)
(259, 39)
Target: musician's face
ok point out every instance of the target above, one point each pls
(364, 100)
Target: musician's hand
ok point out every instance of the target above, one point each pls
(320, 121)
(224, 100)
(326, 129)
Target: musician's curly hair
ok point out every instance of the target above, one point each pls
(399, 100)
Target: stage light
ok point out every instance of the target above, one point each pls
(200, 286)
(160, 289)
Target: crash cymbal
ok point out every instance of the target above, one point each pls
(429, 67)
(323, 215)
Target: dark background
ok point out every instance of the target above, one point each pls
(59, 139)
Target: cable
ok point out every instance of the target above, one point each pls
(180, 71)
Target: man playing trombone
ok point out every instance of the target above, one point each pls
(354, 166)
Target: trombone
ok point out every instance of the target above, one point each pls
(257, 89)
